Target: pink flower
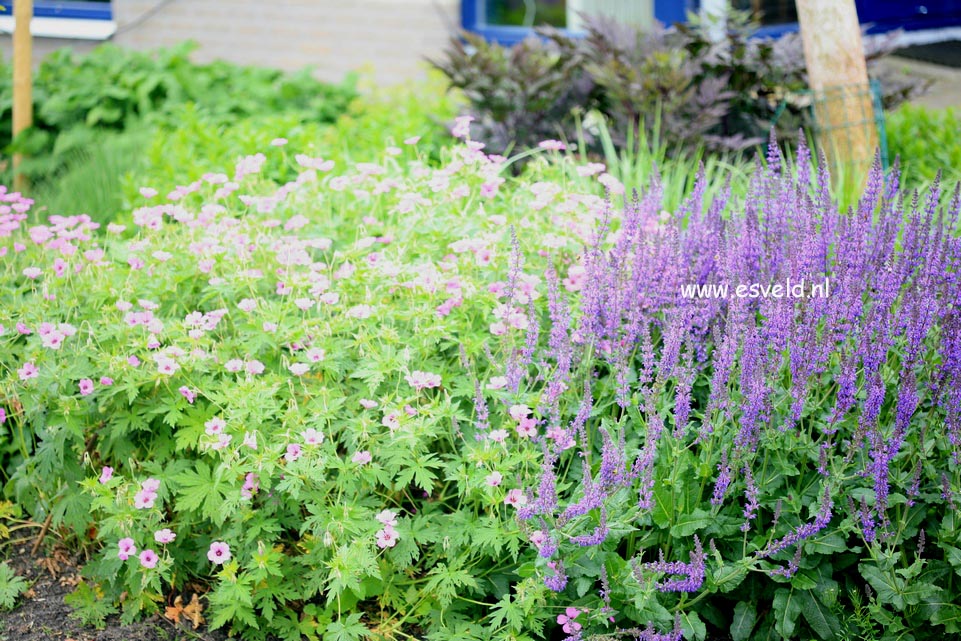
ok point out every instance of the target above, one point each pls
(527, 428)
(133, 361)
(250, 440)
(32, 273)
(293, 452)
(497, 382)
(234, 365)
(251, 485)
(423, 380)
(461, 128)
(106, 381)
(247, 305)
(127, 548)
(106, 474)
(516, 498)
(222, 441)
(390, 421)
(387, 517)
(539, 538)
(387, 538)
(28, 371)
(366, 403)
(498, 436)
(187, 393)
(219, 552)
(278, 142)
(570, 626)
(518, 412)
(86, 387)
(494, 479)
(312, 436)
(552, 145)
(164, 536)
(144, 500)
(148, 192)
(167, 366)
(299, 369)
(412, 140)
(254, 367)
(362, 458)
(215, 426)
(315, 355)
(148, 559)
(150, 485)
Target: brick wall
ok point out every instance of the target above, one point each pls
(389, 37)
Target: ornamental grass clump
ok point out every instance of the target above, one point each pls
(748, 416)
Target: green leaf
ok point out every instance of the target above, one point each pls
(787, 609)
(11, 586)
(350, 630)
(889, 587)
(688, 524)
(821, 620)
(745, 616)
(693, 627)
(445, 580)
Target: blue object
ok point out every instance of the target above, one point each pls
(76, 9)
(877, 15)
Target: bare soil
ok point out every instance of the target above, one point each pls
(42, 615)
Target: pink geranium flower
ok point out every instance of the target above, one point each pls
(387, 538)
(148, 559)
(312, 436)
(293, 452)
(494, 479)
(516, 498)
(219, 552)
(127, 548)
(28, 371)
(106, 474)
(164, 536)
(423, 380)
(362, 458)
(86, 387)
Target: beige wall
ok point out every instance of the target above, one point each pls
(334, 36)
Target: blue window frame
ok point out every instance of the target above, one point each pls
(474, 17)
(877, 15)
(76, 9)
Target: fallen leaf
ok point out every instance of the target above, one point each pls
(174, 611)
(193, 610)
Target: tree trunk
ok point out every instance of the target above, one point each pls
(838, 75)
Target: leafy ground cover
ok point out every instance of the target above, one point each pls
(928, 140)
(414, 396)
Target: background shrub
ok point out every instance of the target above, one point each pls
(684, 86)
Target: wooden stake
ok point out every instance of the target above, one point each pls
(22, 80)
(838, 75)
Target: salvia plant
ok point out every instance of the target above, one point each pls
(393, 400)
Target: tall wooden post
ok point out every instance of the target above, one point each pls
(22, 81)
(838, 75)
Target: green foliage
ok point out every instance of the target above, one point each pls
(77, 98)
(11, 586)
(89, 605)
(701, 84)
(927, 141)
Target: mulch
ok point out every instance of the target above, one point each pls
(42, 615)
